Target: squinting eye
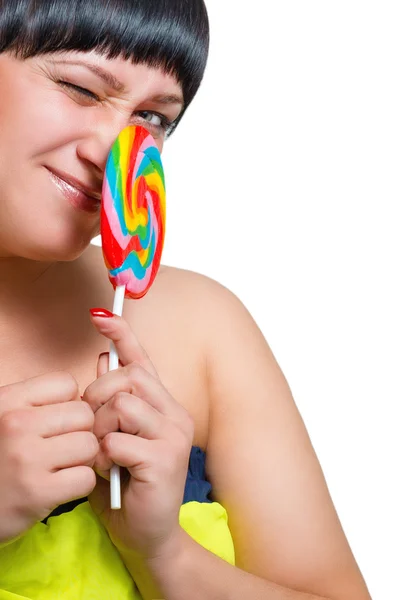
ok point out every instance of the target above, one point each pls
(77, 89)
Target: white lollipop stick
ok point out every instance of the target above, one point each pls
(115, 480)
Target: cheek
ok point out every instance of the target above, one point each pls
(35, 121)
(31, 126)
(53, 124)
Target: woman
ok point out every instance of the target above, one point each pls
(196, 375)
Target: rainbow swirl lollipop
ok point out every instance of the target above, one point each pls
(133, 212)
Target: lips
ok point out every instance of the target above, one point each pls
(79, 195)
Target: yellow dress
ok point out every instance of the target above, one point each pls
(71, 557)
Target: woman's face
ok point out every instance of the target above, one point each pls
(59, 115)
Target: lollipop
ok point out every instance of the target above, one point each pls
(133, 212)
(133, 216)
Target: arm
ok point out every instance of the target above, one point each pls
(190, 571)
(264, 470)
(288, 539)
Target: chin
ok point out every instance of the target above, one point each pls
(62, 236)
(52, 250)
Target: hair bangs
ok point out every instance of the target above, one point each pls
(169, 34)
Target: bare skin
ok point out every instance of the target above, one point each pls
(207, 368)
(63, 327)
(173, 323)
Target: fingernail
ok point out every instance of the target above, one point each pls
(101, 312)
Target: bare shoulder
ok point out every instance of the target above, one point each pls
(203, 297)
(189, 280)
(224, 324)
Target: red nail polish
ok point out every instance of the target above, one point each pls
(101, 312)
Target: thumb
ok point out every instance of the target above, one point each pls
(117, 330)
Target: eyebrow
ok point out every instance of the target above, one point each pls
(109, 79)
(116, 85)
(170, 99)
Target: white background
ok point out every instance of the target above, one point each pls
(285, 182)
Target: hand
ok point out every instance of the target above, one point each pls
(47, 450)
(142, 428)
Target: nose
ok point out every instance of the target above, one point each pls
(93, 149)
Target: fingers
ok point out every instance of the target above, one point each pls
(129, 414)
(72, 484)
(72, 449)
(125, 451)
(146, 460)
(51, 388)
(129, 349)
(135, 380)
(64, 418)
(49, 421)
(125, 419)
